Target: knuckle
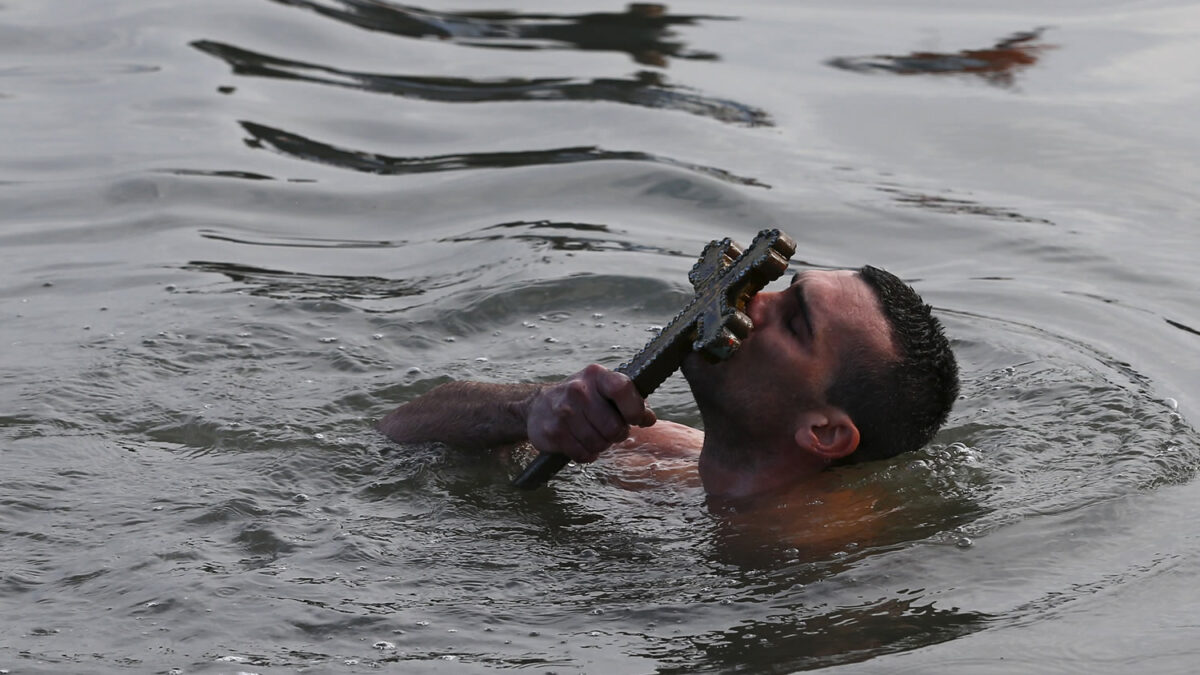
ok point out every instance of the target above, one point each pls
(615, 431)
(576, 388)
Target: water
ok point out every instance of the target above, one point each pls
(235, 233)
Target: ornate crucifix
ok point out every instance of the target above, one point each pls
(713, 323)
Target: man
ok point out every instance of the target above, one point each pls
(840, 366)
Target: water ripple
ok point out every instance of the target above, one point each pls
(311, 150)
(646, 89)
(642, 30)
(299, 285)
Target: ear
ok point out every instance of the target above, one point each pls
(827, 433)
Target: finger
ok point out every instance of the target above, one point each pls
(558, 441)
(620, 390)
(593, 414)
(588, 438)
(648, 418)
(602, 414)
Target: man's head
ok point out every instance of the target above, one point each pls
(839, 364)
(898, 404)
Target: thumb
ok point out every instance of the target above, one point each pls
(648, 418)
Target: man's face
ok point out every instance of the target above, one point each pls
(801, 336)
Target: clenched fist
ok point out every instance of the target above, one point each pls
(585, 413)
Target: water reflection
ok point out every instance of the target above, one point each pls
(791, 641)
(1183, 327)
(646, 88)
(562, 236)
(956, 205)
(311, 150)
(997, 65)
(285, 285)
(642, 30)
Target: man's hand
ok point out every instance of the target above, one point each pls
(585, 413)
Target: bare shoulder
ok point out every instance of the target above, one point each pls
(666, 439)
(662, 454)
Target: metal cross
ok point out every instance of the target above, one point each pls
(714, 323)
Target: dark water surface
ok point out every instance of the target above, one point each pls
(235, 232)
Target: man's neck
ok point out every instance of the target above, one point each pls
(739, 474)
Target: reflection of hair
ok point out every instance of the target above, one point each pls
(898, 405)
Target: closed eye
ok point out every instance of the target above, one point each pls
(801, 323)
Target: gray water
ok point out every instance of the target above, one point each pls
(235, 232)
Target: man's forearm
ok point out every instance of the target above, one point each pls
(469, 415)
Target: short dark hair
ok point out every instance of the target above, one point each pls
(898, 404)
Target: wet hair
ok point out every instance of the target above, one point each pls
(898, 404)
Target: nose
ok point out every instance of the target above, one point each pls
(760, 306)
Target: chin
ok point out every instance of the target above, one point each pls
(700, 372)
(710, 383)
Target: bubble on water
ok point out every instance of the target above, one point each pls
(413, 371)
(598, 325)
(964, 542)
(351, 662)
(654, 329)
(377, 336)
(615, 347)
(319, 436)
(243, 334)
(170, 288)
(1172, 404)
(328, 340)
(300, 498)
(551, 339)
(481, 359)
(598, 315)
(449, 338)
(528, 324)
(449, 657)
(383, 645)
(595, 633)
(422, 623)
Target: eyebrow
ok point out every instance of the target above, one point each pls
(805, 310)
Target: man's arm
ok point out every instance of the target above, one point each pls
(579, 417)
